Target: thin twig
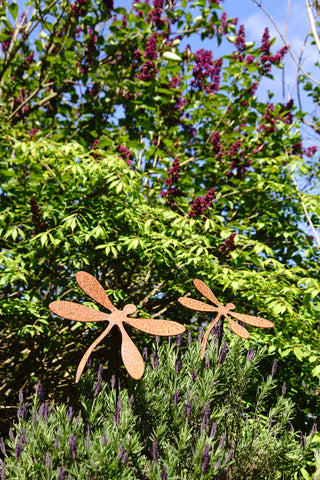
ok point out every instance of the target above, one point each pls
(305, 211)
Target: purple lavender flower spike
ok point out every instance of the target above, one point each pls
(48, 461)
(176, 398)
(223, 352)
(131, 401)
(200, 334)
(205, 417)
(3, 471)
(73, 446)
(154, 451)
(213, 430)
(195, 374)
(116, 416)
(178, 364)
(251, 354)
(2, 446)
(179, 340)
(229, 456)
(70, 415)
(189, 338)
(205, 458)
(163, 474)
(222, 441)
(40, 392)
(20, 396)
(274, 367)
(303, 441)
(145, 354)
(18, 450)
(284, 389)
(61, 471)
(98, 387)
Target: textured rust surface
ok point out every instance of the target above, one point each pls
(131, 356)
(221, 311)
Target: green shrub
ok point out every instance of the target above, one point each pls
(186, 419)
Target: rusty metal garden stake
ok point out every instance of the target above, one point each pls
(221, 310)
(131, 357)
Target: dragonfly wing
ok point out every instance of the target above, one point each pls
(94, 289)
(251, 320)
(206, 291)
(131, 356)
(238, 329)
(196, 305)
(77, 312)
(156, 327)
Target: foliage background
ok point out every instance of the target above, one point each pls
(113, 137)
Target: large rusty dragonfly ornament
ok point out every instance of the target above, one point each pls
(221, 311)
(131, 356)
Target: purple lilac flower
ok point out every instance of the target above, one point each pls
(176, 398)
(148, 71)
(154, 451)
(48, 461)
(205, 458)
(73, 446)
(213, 430)
(201, 204)
(178, 364)
(223, 352)
(151, 47)
(116, 416)
(163, 474)
(170, 182)
(2, 446)
(39, 391)
(251, 354)
(205, 417)
(206, 72)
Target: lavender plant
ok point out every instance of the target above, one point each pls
(196, 421)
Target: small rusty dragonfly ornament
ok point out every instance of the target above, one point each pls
(131, 356)
(221, 310)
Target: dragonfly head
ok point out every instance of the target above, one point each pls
(129, 309)
(230, 306)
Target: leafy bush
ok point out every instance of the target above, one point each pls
(185, 419)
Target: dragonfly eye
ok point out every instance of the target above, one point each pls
(230, 306)
(129, 309)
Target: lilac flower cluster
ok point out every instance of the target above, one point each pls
(228, 245)
(267, 59)
(19, 100)
(156, 12)
(125, 153)
(5, 44)
(151, 47)
(172, 191)
(206, 72)
(240, 44)
(147, 72)
(79, 8)
(310, 151)
(89, 54)
(201, 204)
(215, 141)
(39, 224)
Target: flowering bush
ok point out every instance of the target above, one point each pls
(196, 422)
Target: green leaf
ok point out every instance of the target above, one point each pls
(172, 56)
